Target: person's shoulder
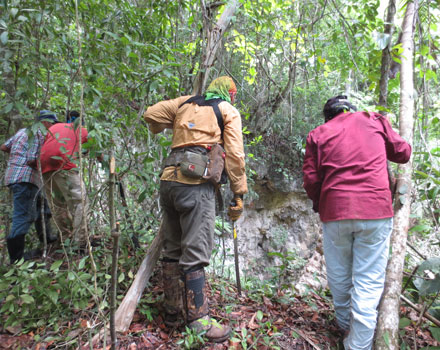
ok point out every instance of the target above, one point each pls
(181, 99)
(22, 133)
(226, 107)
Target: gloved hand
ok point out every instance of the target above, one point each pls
(236, 207)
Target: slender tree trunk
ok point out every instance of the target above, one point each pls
(214, 38)
(386, 55)
(387, 335)
(384, 77)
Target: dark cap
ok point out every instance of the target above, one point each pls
(47, 116)
(337, 105)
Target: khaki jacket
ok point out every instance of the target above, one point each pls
(195, 125)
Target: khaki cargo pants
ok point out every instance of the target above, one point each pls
(63, 191)
(188, 222)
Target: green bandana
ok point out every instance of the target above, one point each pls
(220, 88)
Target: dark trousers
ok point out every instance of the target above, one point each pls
(27, 199)
(188, 222)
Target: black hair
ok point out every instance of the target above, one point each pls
(71, 116)
(336, 105)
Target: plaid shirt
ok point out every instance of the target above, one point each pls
(18, 170)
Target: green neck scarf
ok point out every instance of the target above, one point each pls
(219, 88)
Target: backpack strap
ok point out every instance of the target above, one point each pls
(201, 101)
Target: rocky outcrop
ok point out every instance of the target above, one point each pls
(279, 234)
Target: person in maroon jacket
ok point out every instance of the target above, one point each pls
(346, 177)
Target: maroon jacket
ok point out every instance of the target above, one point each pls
(345, 169)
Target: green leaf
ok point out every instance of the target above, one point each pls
(403, 189)
(142, 196)
(432, 264)
(4, 38)
(14, 12)
(435, 331)
(121, 277)
(294, 334)
(402, 199)
(382, 39)
(386, 338)
(260, 315)
(10, 297)
(404, 322)
(27, 299)
(56, 265)
(53, 295)
(82, 263)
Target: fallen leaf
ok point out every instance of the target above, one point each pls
(234, 345)
(137, 327)
(84, 323)
(252, 324)
(164, 336)
(13, 329)
(279, 321)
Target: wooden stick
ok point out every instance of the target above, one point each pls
(425, 314)
(306, 338)
(125, 312)
(126, 309)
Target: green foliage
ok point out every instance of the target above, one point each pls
(192, 339)
(55, 292)
(264, 335)
(432, 283)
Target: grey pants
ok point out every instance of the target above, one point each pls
(188, 222)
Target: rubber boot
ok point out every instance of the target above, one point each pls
(173, 292)
(196, 305)
(15, 248)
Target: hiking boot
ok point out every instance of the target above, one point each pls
(215, 332)
(196, 305)
(173, 293)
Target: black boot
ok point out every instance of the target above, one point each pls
(15, 248)
(173, 291)
(196, 304)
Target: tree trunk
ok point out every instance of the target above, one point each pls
(387, 335)
(214, 37)
(384, 77)
(386, 55)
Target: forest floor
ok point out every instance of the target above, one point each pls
(258, 322)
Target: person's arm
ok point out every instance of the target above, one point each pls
(161, 115)
(4, 148)
(233, 143)
(311, 178)
(156, 128)
(7, 146)
(34, 150)
(398, 150)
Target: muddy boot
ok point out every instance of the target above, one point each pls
(197, 308)
(173, 291)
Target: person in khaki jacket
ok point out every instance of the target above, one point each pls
(188, 200)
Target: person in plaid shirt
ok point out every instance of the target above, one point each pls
(24, 182)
